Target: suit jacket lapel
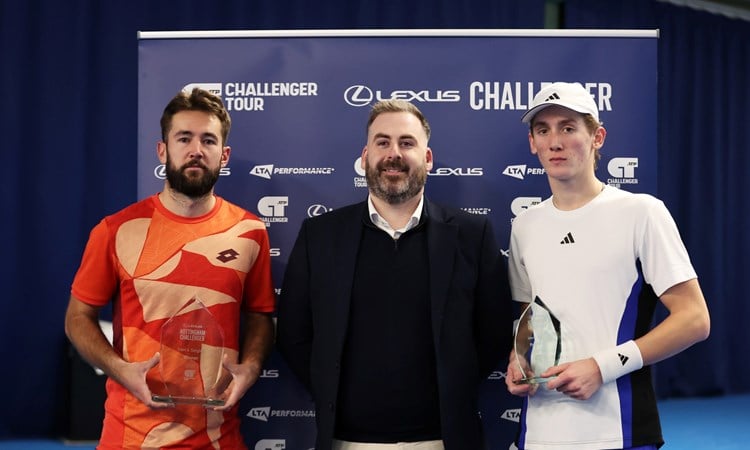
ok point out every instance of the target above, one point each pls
(442, 237)
(347, 239)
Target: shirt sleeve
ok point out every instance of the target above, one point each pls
(519, 279)
(96, 278)
(259, 295)
(662, 253)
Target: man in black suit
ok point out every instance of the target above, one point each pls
(394, 310)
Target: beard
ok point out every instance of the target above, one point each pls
(390, 190)
(193, 186)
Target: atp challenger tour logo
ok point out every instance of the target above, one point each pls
(273, 209)
(521, 204)
(271, 444)
(252, 95)
(360, 180)
(622, 171)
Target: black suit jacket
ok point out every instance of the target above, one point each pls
(471, 312)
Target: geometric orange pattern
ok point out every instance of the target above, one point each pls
(149, 263)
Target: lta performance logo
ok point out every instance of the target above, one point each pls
(268, 170)
(264, 413)
(519, 171)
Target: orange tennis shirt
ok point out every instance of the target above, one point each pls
(150, 262)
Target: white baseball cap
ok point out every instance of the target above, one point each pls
(569, 95)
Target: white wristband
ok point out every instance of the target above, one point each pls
(618, 361)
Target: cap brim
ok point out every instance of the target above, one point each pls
(528, 115)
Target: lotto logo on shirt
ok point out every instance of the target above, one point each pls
(622, 171)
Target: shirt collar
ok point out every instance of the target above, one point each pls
(379, 222)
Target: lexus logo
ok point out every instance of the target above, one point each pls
(316, 210)
(358, 95)
(160, 172)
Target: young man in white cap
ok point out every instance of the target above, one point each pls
(598, 258)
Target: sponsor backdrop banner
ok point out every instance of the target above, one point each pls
(299, 103)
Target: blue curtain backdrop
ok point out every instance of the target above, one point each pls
(703, 75)
(68, 123)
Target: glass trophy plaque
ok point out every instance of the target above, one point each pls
(192, 350)
(536, 342)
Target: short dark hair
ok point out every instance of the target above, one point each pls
(197, 100)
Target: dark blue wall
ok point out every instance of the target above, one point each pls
(68, 128)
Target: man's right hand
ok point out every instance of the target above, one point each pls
(514, 374)
(132, 376)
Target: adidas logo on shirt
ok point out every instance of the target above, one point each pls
(623, 359)
(568, 239)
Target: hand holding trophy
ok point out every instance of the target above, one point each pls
(192, 350)
(536, 344)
